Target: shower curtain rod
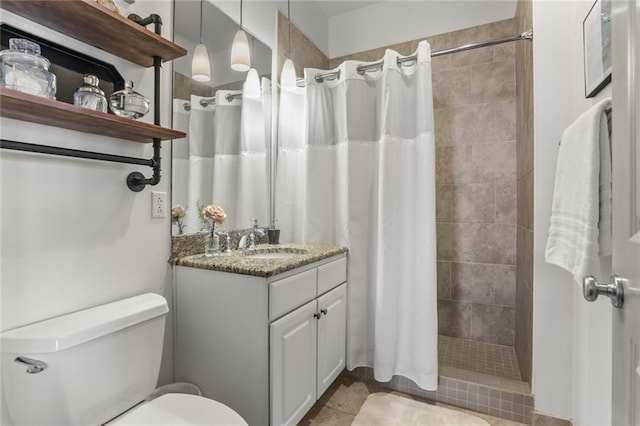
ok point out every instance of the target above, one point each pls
(332, 75)
(211, 101)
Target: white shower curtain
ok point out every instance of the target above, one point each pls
(253, 178)
(223, 159)
(356, 168)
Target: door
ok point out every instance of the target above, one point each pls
(332, 336)
(626, 210)
(293, 365)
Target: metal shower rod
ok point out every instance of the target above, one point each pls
(332, 75)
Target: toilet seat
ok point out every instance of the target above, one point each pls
(180, 409)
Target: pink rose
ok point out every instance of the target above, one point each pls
(214, 212)
(177, 212)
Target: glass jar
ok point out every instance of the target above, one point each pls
(128, 103)
(89, 95)
(23, 69)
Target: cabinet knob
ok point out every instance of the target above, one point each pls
(323, 311)
(317, 316)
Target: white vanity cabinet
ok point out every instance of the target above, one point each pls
(308, 349)
(267, 347)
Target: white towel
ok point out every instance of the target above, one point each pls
(580, 228)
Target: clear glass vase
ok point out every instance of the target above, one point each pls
(211, 244)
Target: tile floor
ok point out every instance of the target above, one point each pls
(478, 357)
(342, 401)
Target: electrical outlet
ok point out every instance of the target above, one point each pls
(158, 204)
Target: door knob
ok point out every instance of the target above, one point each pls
(591, 289)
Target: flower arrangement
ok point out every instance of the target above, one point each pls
(210, 216)
(177, 214)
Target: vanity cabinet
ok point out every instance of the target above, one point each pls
(308, 349)
(268, 347)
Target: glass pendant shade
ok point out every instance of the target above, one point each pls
(240, 54)
(288, 76)
(252, 85)
(200, 67)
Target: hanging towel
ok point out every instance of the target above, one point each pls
(580, 228)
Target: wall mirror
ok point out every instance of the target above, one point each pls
(225, 157)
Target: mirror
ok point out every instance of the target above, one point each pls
(225, 157)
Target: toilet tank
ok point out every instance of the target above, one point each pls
(99, 362)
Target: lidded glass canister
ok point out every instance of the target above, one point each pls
(89, 95)
(128, 103)
(23, 69)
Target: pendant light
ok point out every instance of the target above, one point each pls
(201, 67)
(288, 77)
(252, 89)
(240, 53)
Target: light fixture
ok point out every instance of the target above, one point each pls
(251, 87)
(240, 53)
(200, 66)
(288, 78)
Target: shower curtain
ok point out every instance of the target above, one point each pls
(224, 158)
(356, 168)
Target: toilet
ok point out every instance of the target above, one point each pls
(97, 366)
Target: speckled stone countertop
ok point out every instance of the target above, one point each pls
(241, 263)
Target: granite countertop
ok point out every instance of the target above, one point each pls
(241, 263)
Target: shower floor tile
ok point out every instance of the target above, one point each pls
(478, 357)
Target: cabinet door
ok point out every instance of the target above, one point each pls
(332, 336)
(293, 365)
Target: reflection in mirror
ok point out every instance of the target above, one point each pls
(224, 158)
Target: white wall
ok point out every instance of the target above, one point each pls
(571, 337)
(73, 234)
(391, 22)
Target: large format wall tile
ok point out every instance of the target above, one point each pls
(494, 161)
(504, 279)
(455, 241)
(454, 319)
(474, 202)
(472, 124)
(472, 282)
(506, 202)
(444, 280)
(495, 243)
(493, 324)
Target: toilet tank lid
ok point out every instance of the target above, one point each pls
(64, 332)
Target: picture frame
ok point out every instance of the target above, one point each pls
(597, 47)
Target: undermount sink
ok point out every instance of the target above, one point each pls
(275, 253)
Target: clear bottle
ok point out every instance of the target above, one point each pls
(128, 103)
(23, 69)
(89, 95)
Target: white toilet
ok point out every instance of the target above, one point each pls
(90, 367)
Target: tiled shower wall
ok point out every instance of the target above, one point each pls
(524, 172)
(475, 119)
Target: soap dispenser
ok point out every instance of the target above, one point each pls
(273, 233)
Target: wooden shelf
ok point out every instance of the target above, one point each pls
(88, 21)
(36, 109)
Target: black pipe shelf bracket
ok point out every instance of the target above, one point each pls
(136, 181)
(73, 153)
